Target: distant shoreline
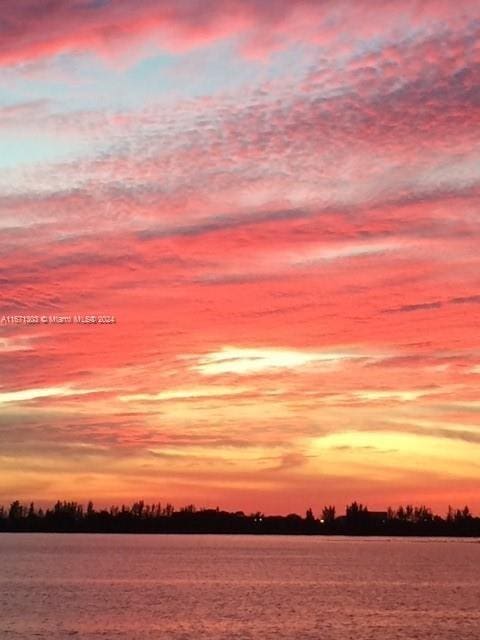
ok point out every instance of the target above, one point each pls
(361, 537)
(142, 518)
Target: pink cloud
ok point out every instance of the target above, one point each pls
(31, 31)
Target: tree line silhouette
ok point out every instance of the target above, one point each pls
(72, 517)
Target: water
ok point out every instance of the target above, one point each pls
(237, 588)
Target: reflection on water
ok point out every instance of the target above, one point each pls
(236, 588)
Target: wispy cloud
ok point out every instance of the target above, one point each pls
(26, 395)
(244, 360)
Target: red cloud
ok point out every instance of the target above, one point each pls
(31, 30)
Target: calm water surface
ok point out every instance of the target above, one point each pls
(236, 588)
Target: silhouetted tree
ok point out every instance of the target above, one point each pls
(357, 518)
(153, 518)
(16, 511)
(328, 514)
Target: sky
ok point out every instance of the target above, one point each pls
(274, 208)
